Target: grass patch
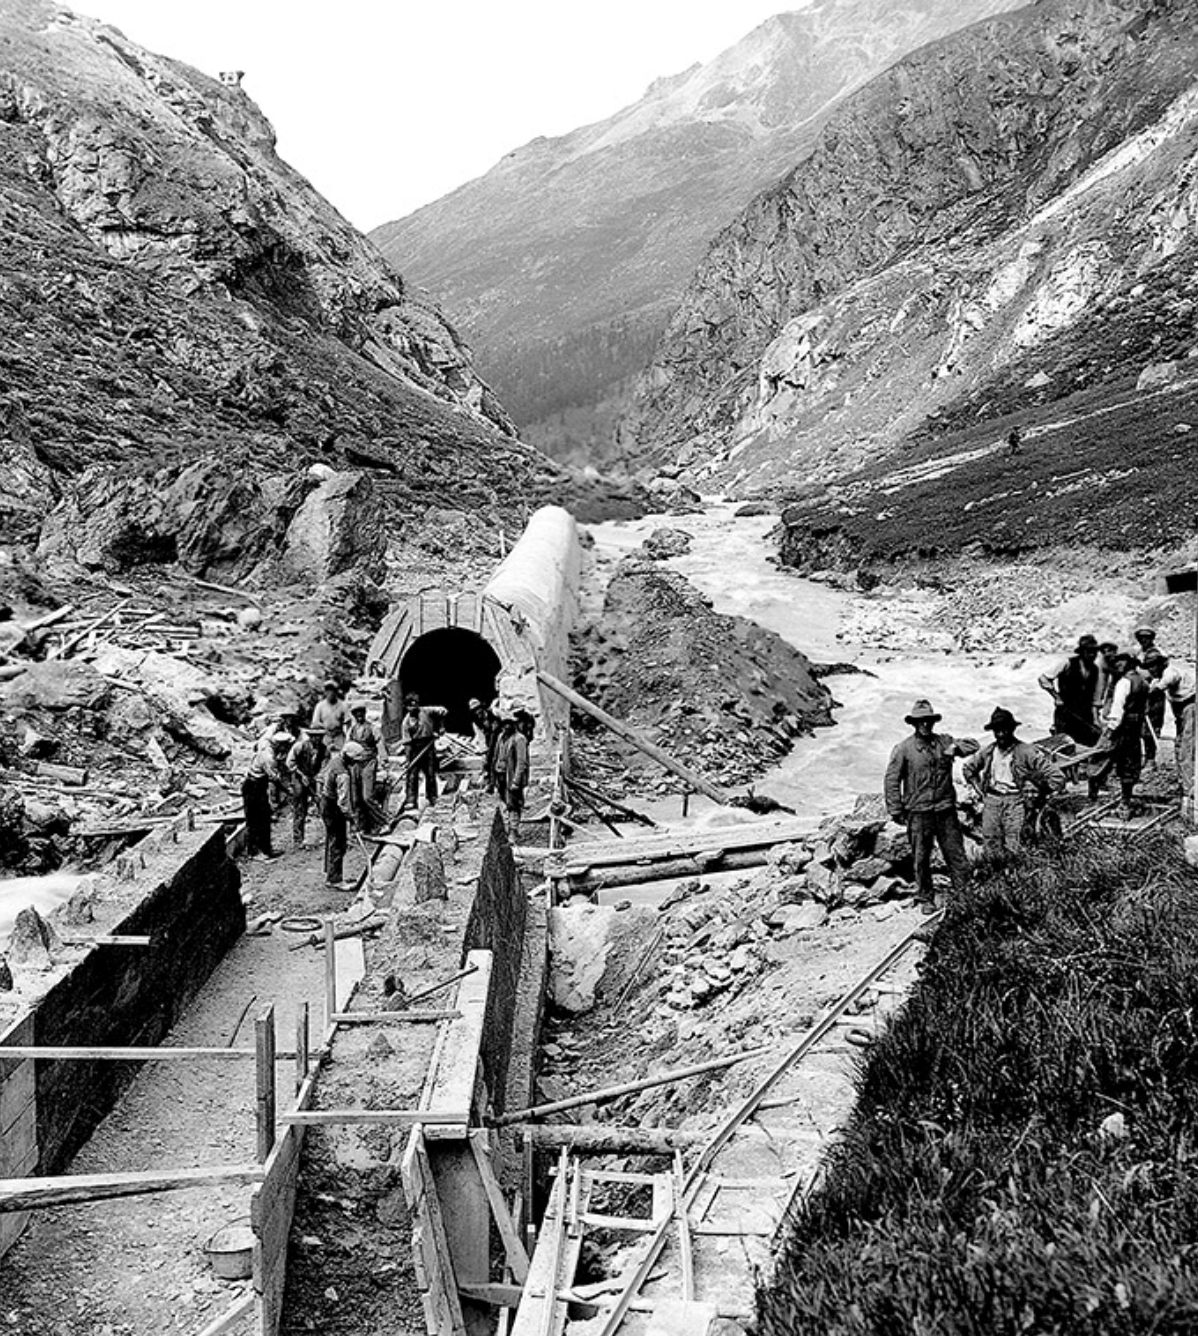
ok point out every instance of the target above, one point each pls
(974, 1190)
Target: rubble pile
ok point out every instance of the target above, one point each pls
(718, 692)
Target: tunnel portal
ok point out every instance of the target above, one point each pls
(449, 667)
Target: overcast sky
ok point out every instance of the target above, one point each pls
(388, 104)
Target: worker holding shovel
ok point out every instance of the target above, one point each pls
(418, 733)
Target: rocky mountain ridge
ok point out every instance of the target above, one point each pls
(999, 223)
(565, 259)
(176, 296)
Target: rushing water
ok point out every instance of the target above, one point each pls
(825, 773)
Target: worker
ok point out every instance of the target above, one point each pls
(366, 736)
(920, 795)
(1169, 683)
(1146, 639)
(338, 813)
(331, 715)
(264, 770)
(515, 767)
(1076, 685)
(304, 760)
(422, 724)
(1013, 780)
(1121, 742)
(486, 727)
(1014, 441)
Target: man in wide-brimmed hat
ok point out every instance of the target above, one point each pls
(1013, 779)
(920, 795)
(1077, 684)
(304, 761)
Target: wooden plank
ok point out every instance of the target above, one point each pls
(384, 1117)
(128, 1053)
(635, 739)
(264, 1046)
(330, 973)
(302, 1035)
(414, 1017)
(517, 1258)
(17, 1093)
(446, 1304)
(685, 1248)
(453, 1082)
(20, 1194)
(683, 844)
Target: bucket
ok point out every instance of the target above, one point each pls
(230, 1251)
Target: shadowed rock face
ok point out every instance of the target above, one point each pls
(171, 289)
(945, 247)
(564, 261)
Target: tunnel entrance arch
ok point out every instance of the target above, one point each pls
(449, 667)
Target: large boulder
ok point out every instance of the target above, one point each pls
(664, 543)
(55, 685)
(341, 526)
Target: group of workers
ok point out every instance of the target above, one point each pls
(1110, 702)
(333, 764)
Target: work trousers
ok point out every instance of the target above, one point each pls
(368, 774)
(336, 840)
(422, 760)
(1002, 824)
(926, 829)
(301, 797)
(1126, 756)
(255, 802)
(1185, 748)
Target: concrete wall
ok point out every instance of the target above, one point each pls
(185, 896)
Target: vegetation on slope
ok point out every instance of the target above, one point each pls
(1022, 1158)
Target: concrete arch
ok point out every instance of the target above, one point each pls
(523, 615)
(448, 666)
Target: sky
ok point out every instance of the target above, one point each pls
(386, 105)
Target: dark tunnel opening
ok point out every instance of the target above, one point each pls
(448, 667)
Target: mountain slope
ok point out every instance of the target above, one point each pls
(171, 290)
(1001, 221)
(565, 259)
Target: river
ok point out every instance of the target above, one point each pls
(825, 773)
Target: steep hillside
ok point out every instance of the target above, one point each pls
(564, 261)
(172, 292)
(1002, 221)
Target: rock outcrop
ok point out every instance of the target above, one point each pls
(172, 293)
(565, 259)
(1002, 220)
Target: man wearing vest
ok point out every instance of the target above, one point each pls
(338, 813)
(920, 795)
(1076, 687)
(1012, 778)
(1122, 743)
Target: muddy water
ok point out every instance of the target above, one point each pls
(825, 773)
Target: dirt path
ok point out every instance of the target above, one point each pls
(137, 1267)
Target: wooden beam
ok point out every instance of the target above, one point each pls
(302, 1044)
(517, 1258)
(674, 869)
(392, 1017)
(231, 1317)
(604, 1139)
(24, 1194)
(634, 739)
(67, 1053)
(608, 1093)
(264, 1047)
(330, 972)
(454, 1078)
(107, 939)
(392, 1117)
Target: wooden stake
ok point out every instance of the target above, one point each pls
(393, 1117)
(264, 1037)
(517, 1258)
(330, 973)
(302, 1039)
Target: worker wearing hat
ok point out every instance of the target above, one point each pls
(1168, 682)
(1154, 713)
(338, 811)
(331, 715)
(920, 794)
(263, 771)
(305, 758)
(514, 767)
(1121, 746)
(1013, 779)
(366, 736)
(422, 724)
(1076, 685)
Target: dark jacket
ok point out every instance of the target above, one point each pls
(919, 777)
(1029, 765)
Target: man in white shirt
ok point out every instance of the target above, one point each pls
(1169, 682)
(1122, 741)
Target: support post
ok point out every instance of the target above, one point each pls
(330, 973)
(264, 1044)
(302, 1040)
